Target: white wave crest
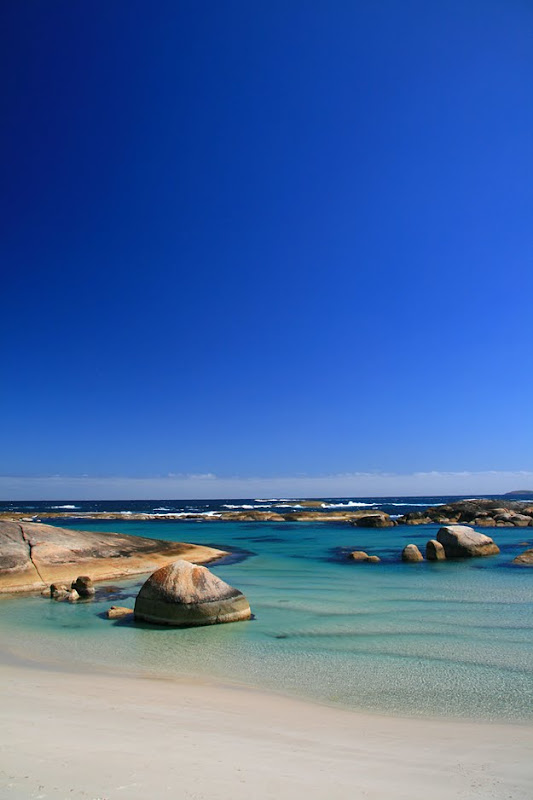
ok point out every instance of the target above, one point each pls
(349, 504)
(70, 508)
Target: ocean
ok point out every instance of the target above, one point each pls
(449, 639)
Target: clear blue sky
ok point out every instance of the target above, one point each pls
(266, 238)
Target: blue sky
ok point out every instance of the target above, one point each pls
(275, 241)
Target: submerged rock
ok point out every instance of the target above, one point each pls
(411, 554)
(525, 558)
(435, 551)
(185, 595)
(360, 555)
(460, 541)
(119, 612)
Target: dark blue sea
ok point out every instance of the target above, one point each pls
(396, 506)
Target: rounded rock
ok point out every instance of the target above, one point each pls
(411, 554)
(186, 595)
(358, 555)
(84, 586)
(525, 559)
(435, 551)
(461, 541)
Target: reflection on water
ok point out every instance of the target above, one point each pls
(453, 639)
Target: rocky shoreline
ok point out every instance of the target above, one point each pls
(479, 512)
(484, 513)
(33, 556)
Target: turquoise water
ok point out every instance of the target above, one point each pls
(434, 639)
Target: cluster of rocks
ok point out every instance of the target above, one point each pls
(180, 594)
(453, 541)
(481, 513)
(82, 587)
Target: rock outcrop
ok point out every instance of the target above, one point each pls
(435, 551)
(460, 541)
(411, 554)
(525, 559)
(32, 555)
(187, 595)
(482, 513)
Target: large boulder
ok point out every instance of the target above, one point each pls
(187, 595)
(460, 541)
(521, 520)
(435, 551)
(525, 558)
(411, 554)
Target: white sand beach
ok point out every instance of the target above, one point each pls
(106, 737)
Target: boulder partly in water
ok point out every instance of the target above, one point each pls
(435, 551)
(411, 554)
(525, 559)
(84, 586)
(461, 541)
(186, 595)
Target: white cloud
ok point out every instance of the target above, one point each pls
(208, 485)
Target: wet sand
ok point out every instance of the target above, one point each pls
(104, 737)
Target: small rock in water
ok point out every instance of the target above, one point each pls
(360, 555)
(525, 558)
(119, 612)
(58, 591)
(411, 554)
(72, 596)
(435, 551)
(84, 586)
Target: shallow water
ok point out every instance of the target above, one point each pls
(435, 639)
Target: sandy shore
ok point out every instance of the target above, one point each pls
(105, 737)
